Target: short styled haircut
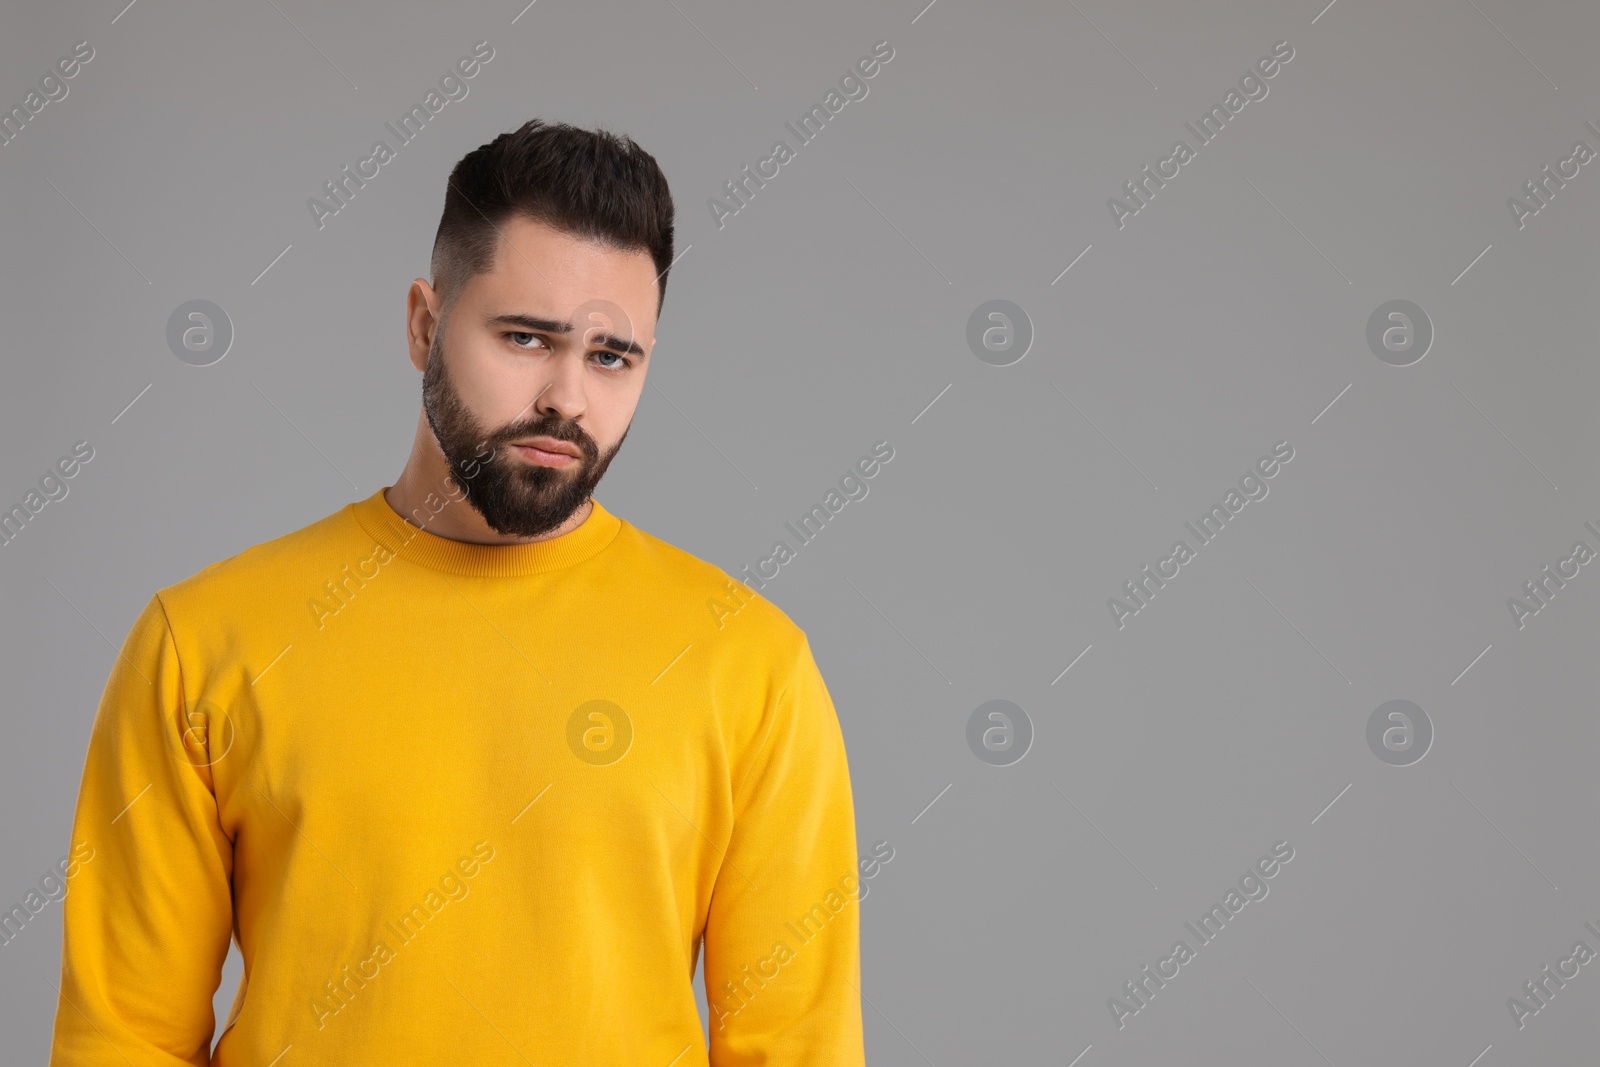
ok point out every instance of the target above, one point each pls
(588, 183)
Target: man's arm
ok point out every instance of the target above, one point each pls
(147, 920)
(782, 940)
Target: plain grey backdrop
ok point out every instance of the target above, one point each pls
(1166, 751)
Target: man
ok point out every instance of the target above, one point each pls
(471, 767)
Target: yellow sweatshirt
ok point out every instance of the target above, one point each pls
(463, 804)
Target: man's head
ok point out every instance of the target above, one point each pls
(549, 270)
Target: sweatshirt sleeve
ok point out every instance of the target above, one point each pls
(782, 939)
(147, 919)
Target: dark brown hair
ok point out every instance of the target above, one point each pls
(588, 183)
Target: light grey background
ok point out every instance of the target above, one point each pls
(830, 313)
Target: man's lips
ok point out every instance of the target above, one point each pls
(548, 452)
(550, 444)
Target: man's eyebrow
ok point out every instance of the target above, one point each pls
(533, 324)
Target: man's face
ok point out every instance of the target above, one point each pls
(547, 345)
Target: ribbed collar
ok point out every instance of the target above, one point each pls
(384, 524)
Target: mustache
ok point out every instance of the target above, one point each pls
(570, 432)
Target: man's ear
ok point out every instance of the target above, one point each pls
(422, 318)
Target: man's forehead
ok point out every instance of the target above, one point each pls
(549, 274)
(527, 244)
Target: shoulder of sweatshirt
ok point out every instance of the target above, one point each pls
(748, 648)
(748, 620)
(285, 570)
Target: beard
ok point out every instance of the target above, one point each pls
(516, 498)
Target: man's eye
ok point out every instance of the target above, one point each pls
(621, 363)
(521, 339)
